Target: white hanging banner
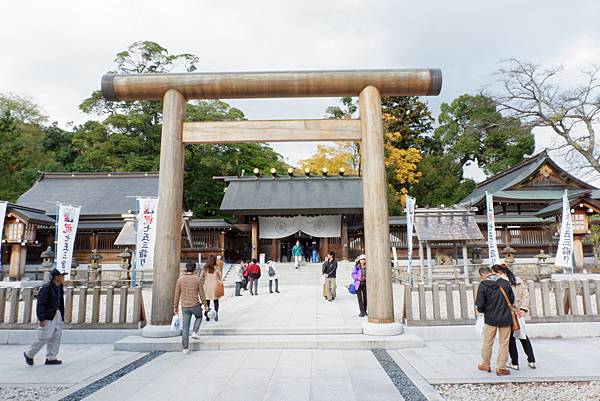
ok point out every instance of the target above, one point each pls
(321, 226)
(146, 232)
(494, 256)
(315, 226)
(564, 253)
(3, 205)
(410, 222)
(68, 217)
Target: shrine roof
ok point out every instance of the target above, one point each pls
(285, 195)
(98, 194)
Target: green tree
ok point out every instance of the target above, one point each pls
(472, 129)
(128, 137)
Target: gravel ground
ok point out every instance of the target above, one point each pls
(27, 393)
(555, 391)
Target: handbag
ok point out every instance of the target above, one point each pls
(352, 289)
(515, 320)
(219, 290)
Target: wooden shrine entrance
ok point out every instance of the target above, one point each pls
(369, 85)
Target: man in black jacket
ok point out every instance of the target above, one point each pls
(497, 317)
(329, 271)
(50, 311)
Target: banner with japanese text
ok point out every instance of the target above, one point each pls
(146, 232)
(68, 217)
(494, 256)
(564, 253)
(410, 221)
(2, 214)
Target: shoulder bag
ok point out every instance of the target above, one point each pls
(515, 320)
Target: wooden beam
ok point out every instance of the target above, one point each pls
(272, 131)
(240, 85)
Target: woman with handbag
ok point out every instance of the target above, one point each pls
(359, 274)
(521, 307)
(213, 286)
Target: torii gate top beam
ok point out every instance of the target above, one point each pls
(238, 85)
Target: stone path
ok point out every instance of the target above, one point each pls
(291, 375)
(456, 361)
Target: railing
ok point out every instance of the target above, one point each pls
(97, 307)
(549, 301)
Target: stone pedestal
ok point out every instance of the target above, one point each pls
(383, 329)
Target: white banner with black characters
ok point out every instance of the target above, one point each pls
(564, 253)
(410, 222)
(494, 256)
(146, 232)
(3, 205)
(315, 226)
(68, 217)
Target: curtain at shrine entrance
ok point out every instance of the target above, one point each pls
(315, 226)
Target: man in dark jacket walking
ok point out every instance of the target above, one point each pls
(329, 271)
(50, 311)
(497, 317)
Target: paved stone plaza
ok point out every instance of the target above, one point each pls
(297, 346)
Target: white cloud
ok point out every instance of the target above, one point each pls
(57, 51)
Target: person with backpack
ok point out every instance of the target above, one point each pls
(297, 254)
(521, 306)
(329, 271)
(494, 299)
(273, 278)
(253, 276)
(359, 274)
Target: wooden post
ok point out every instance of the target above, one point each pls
(344, 238)
(167, 253)
(255, 238)
(108, 318)
(28, 298)
(222, 244)
(376, 224)
(421, 261)
(465, 256)
(3, 293)
(429, 265)
(69, 304)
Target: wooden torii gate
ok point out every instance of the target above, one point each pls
(369, 85)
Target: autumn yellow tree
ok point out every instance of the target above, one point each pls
(406, 121)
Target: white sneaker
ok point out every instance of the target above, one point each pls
(511, 366)
(186, 351)
(195, 335)
(531, 365)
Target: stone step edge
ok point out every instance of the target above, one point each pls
(330, 342)
(282, 331)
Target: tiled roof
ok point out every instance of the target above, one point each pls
(98, 194)
(297, 195)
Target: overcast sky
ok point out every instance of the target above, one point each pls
(56, 51)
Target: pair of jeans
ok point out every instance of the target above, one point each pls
(253, 284)
(514, 354)
(315, 256)
(187, 318)
(361, 294)
(238, 288)
(276, 285)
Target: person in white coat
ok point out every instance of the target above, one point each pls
(238, 274)
(272, 273)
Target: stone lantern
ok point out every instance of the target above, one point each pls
(509, 254)
(95, 267)
(476, 255)
(47, 259)
(125, 264)
(541, 257)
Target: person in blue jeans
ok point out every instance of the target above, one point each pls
(315, 253)
(190, 290)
